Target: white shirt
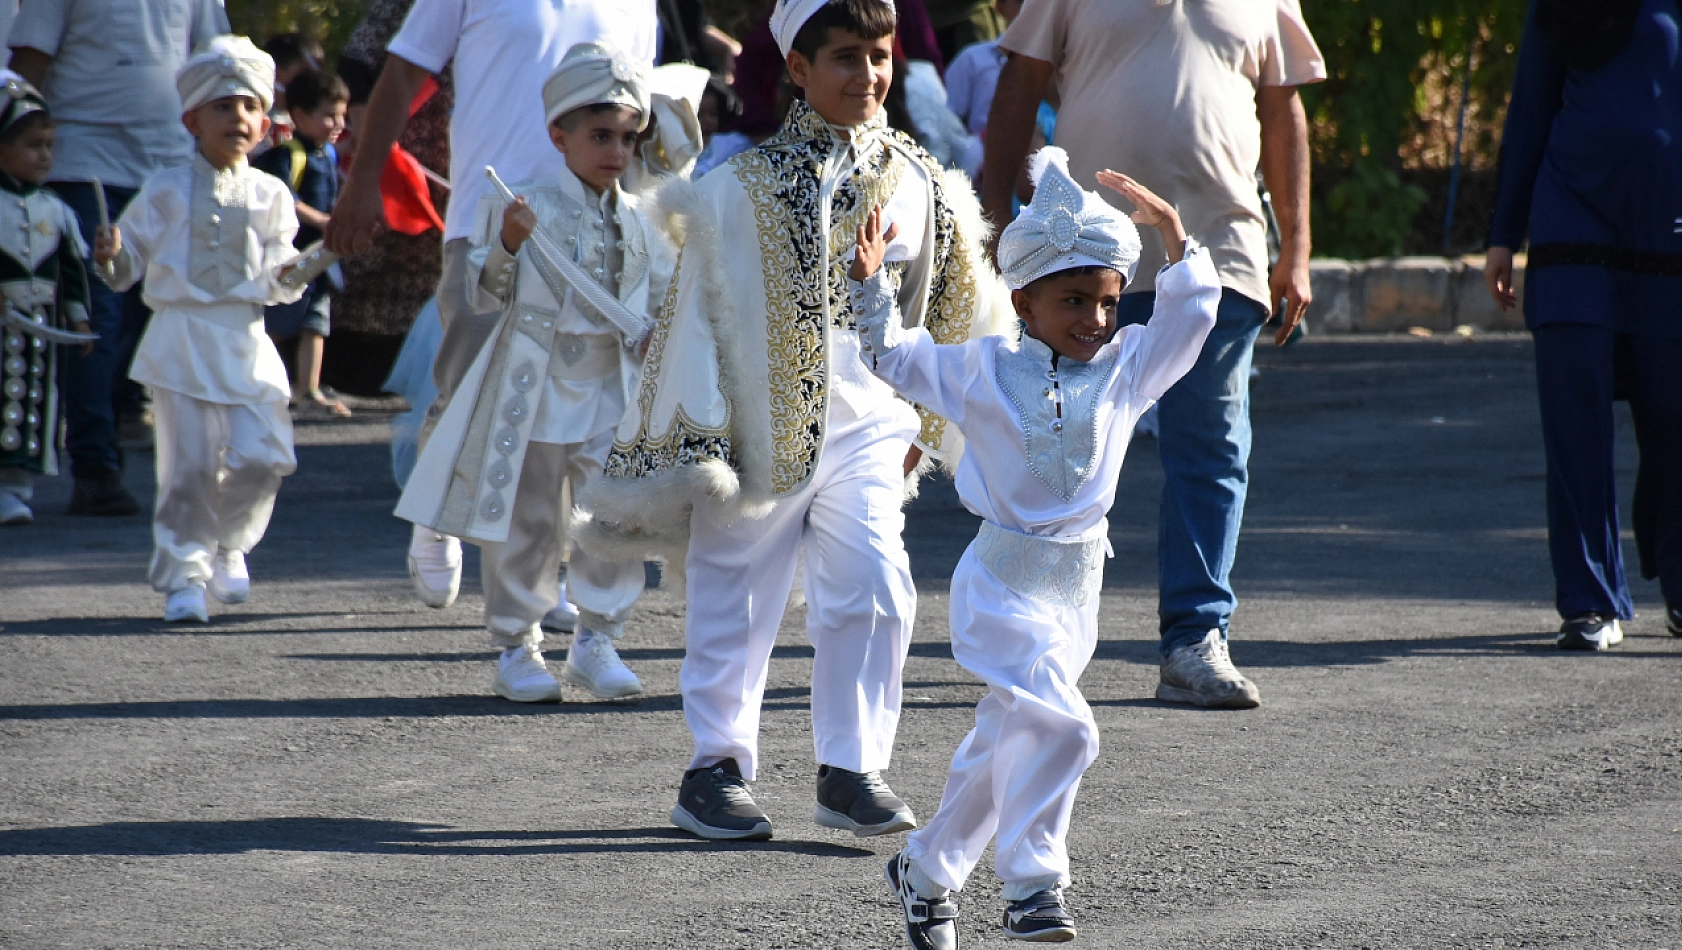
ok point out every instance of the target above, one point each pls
(209, 344)
(1015, 455)
(111, 85)
(503, 50)
(970, 82)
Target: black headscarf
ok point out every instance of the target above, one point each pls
(1587, 34)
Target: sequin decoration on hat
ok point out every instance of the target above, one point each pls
(1064, 227)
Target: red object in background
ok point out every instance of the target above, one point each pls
(403, 185)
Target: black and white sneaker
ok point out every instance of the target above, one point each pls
(1590, 632)
(929, 924)
(1673, 618)
(860, 802)
(1040, 918)
(713, 802)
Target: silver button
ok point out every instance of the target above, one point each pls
(578, 214)
(572, 240)
(1057, 427)
(215, 219)
(215, 243)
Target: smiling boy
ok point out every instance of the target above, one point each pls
(759, 434)
(1047, 424)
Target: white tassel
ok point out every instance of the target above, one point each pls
(1044, 158)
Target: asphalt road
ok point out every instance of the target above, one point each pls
(325, 766)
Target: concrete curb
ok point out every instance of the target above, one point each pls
(1389, 295)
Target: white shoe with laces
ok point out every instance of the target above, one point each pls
(186, 605)
(230, 582)
(593, 664)
(523, 677)
(435, 566)
(1202, 674)
(14, 512)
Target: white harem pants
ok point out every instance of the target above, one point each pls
(859, 598)
(1015, 775)
(219, 467)
(518, 575)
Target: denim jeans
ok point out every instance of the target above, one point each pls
(1204, 442)
(94, 390)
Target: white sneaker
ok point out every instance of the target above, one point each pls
(1202, 674)
(435, 566)
(186, 605)
(593, 664)
(230, 582)
(564, 617)
(522, 676)
(15, 513)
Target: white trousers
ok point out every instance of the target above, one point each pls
(219, 467)
(1016, 773)
(859, 598)
(518, 575)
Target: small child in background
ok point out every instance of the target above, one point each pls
(307, 162)
(293, 53)
(212, 240)
(43, 288)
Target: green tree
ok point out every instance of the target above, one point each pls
(329, 21)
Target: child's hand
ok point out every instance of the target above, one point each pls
(86, 346)
(872, 245)
(107, 244)
(518, 222)
(1151, 211)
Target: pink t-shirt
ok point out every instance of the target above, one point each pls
(1165, 91)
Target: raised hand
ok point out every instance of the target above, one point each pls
(518, 222)
(1150, 210)
(872, 245)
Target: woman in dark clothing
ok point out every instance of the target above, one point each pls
(1591, 168)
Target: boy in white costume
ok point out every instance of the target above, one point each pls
(757, 431)
(1046, 424)
(211, 240)
(570, 264)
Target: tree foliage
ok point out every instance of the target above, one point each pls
(1391, 100)
(329, 21)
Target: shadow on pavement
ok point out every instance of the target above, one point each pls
(369, 836)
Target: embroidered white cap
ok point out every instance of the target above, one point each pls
(20, 99)
(1064, 227)
(790, 15)
(226, 66)
(592, 74)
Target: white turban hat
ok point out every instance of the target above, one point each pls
(1064, 227)
(20, 99)
(226, 66)
(790, 15)
(592, 74)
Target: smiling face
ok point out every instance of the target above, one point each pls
(324, 125)
(1071, 311)
(227, 128)
(847, 79)
(598, 145)
(28, 155)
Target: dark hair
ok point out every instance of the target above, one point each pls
(729, 102)
(569, 120)
(288, 48)
(310, 90)
(40, 118)
(870, 19)
(1080, 271)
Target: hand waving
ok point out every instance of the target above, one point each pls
(872, 245)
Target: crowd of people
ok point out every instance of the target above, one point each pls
(726, 315)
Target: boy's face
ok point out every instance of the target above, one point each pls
(29, 157)
(322, 126)
(228, 128)
(599, 145)
(1072, 312)
(847, 81)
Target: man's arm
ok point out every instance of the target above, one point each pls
(31, 64)
(1010, 130)
(360, 212)
(1284, 162)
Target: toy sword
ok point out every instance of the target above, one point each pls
(37, 327)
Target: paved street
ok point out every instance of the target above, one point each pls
(325, 766)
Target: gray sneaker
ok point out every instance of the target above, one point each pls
(1039, 918)
(713, 802)
(860, 802)
(1202, 674)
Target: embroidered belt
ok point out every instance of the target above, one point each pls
(1065, 571)
(583, 357)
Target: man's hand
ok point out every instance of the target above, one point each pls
(1151, 211)
(872, 245)
(1289, 282)
(1498, 276)
(518, 222)
(359, 216)
(107, 244)
(1284, 162)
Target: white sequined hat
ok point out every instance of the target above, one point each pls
(592, 74)
(1064, 227)
(226, 66)
(790, 15)
(20, 99)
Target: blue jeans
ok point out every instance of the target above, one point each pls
(1204, 443)
(94, 389)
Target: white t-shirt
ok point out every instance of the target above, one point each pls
(111, 85)
(503, 50)
(970, 82)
